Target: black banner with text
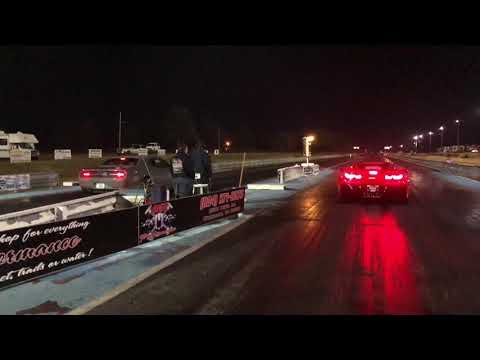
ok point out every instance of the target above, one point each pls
(30, 252)
(165, 218)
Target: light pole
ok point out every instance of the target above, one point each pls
(307, 141)
(441, 128)
(415, 141)
(421, 141)
(458, 131)
(430, 141)
(120, 122)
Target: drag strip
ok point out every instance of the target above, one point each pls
(313, 255)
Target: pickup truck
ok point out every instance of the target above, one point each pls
(132, 149)
(153, 146)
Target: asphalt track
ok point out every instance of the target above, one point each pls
(315, 255)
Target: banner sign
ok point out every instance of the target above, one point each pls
(14, 182)
(63, 154)
(20, 156)
(165, 218)
(94, 153)
(32, 251)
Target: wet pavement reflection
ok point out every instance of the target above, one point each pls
(381, 261)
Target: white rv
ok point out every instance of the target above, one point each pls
(15, 141)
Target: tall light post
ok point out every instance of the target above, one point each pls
(430, 141)
(415, 141)
(120, 122)
(307, 141)
(441, 128)
(421, 141)
(218, 143)
(458, 131)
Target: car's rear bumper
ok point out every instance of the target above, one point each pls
(101, 185)
(374, 191)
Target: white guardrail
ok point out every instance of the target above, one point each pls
(90, 205)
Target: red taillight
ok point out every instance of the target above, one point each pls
(85, 174)
(123, 158)
(120, 174)
(396, 177)
(352, 176)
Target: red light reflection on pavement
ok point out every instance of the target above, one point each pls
(381, 266)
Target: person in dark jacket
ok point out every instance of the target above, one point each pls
(202, 165)
(181, 168)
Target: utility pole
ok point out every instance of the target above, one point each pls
(120, 132)
(218, 146)
(458, 132)
(120, 122)
(441, 128)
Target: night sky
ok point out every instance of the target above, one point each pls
(71, 96)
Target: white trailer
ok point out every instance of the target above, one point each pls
(17, 141)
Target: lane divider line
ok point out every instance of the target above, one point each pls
(266, 187)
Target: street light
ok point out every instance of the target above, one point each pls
(458, 131)
(307, 141)
(441, 128)
(430, 141)
(415, 140)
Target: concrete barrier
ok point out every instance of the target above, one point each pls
(289, 173)
(472, 172)
(90, 205)
(234, 165)
(32, 181)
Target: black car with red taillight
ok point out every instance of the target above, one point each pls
(373, 180)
